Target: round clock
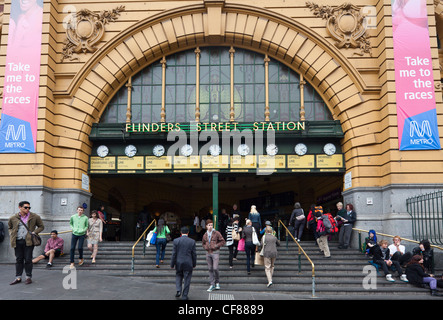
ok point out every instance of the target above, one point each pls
(329, 149)
(243, 149)
(214, 150)
(158, 150)
(102, 151)
(271, 149)
(130, 150)
(186, 150)
(301, 149)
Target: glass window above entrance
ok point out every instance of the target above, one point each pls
(216, 84)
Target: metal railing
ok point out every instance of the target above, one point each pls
(300, 252)
(143, 236)
(426, 212)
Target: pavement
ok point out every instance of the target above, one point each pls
(109, 295)
(77, 284)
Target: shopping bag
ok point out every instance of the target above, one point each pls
(153, 238)
(259, 260)
(241, 245)
(255, 240)
(149, 237)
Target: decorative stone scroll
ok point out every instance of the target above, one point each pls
(85, 29)
(346, 25)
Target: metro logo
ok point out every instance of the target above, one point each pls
(16, 134)
(425, 128)
(420, 132)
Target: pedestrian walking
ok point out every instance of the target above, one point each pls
(79, 224)
(21, 226)
(255, 218)
(162, 231)
(212, 242)
(323, 224)
(269, 252)
(250, 247)
(297, 221)
(184, 259)
(233, 233)
(94, 233)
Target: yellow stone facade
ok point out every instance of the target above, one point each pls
(358, 87)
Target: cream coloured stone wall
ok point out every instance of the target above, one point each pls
(359, 90)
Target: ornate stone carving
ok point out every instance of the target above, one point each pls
(85, 29)
(345, 24)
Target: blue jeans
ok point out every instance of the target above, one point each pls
(74, 240)
(161, 246)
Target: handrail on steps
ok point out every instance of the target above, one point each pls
(300, 251)
(143, 235)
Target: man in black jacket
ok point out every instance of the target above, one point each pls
(184, 259)
(383, 258)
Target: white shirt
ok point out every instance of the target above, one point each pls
(393, 249)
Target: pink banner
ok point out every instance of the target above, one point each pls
(414, 79)
(18, 129)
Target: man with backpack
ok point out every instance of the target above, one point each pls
(325, 227)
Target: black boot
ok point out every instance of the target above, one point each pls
(436, 293)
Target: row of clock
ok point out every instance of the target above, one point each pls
(215, 150)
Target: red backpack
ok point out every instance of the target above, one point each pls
(330, 227)
(334, 227)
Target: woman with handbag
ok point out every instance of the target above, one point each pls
(232, 239)
(297, 221)
(162, 231)
(250, 247)
(23, 227)
(269, 252)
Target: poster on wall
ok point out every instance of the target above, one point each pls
(414, 80)
(18, 124)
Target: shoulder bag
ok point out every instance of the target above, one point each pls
(35, 238)
(255, 240)
(235, 234)
(301, 217)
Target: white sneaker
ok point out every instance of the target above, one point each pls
(389, 278)
(403, 278)
(211, 288)
(217, 286)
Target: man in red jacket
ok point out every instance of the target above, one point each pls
(212, 242)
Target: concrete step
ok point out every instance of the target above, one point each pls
(340, 275)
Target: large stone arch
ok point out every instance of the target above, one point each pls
(217, 23)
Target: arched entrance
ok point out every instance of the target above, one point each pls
(220, 24)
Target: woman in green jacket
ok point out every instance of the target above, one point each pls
(162, 230)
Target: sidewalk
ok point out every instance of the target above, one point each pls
(49, 284)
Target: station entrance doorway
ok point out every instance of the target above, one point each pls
(177, 198)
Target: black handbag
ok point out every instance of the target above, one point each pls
(35, 238)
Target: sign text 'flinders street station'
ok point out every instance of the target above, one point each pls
(214, 126)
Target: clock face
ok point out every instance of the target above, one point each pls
(102, 151)
(329, 149)
(130, 150)
(301, 149)
(243, 149)
(158, 150)
(271, 149)
(186, 150)
(214, 150)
